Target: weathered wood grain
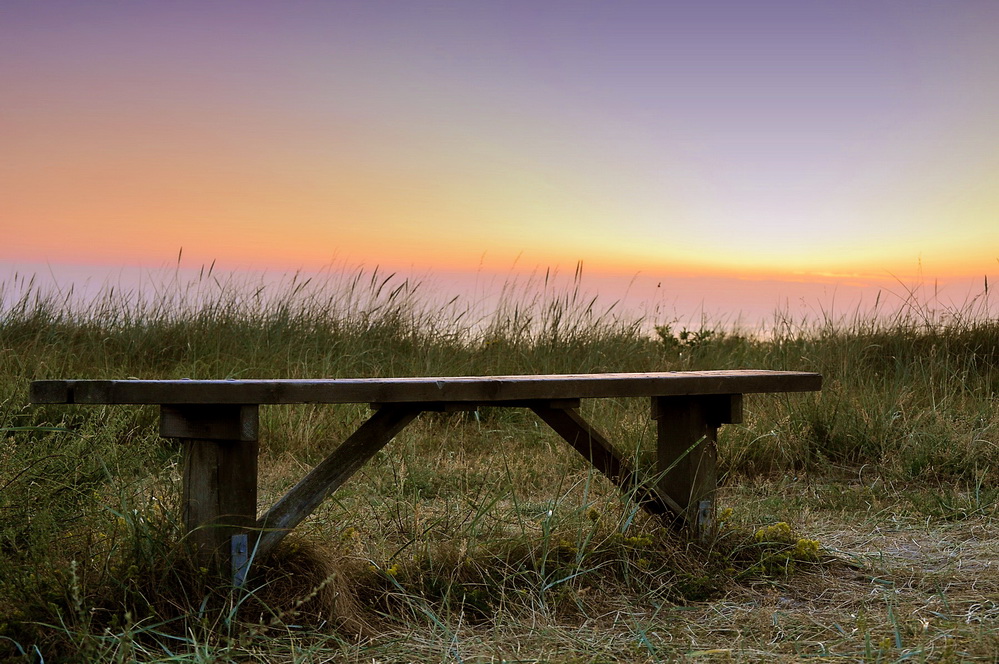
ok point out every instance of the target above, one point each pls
(210, 421)
(219, 495)
(482, 389)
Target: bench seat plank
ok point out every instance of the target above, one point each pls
(483, 389)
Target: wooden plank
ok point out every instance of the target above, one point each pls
(51, 391)
(331, 473)
(719, 409)
(210, 421)
(482, 389)
(589, 442)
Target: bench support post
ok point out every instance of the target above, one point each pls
(220, 478)
(687, 454)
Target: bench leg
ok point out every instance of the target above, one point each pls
(687, 454)
(220, 480)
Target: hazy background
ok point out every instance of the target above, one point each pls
(728, 158)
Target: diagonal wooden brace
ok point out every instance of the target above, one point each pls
(331, 473)
(589, 442)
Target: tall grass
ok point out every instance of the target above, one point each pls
(483, 520)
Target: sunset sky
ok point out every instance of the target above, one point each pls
(771, 141)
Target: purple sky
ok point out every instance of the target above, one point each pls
(785, 140)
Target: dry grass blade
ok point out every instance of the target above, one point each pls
(481, 537)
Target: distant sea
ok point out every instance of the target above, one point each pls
(682, 301)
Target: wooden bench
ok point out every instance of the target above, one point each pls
(216, 422)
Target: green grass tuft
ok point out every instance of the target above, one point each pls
(480, 536)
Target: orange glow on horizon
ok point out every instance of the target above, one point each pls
(668, 142)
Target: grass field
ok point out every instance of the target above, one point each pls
(858, 524)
